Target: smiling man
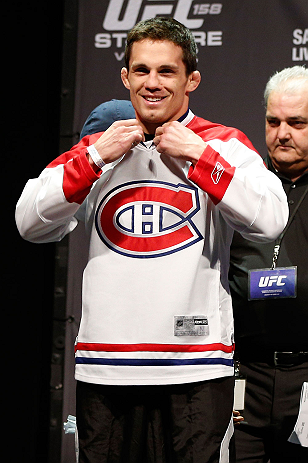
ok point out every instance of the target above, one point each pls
(160, 196)
(159, 86)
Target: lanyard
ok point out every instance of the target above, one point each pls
(278, 242)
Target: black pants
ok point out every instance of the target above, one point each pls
(185, 423)
(271, 409)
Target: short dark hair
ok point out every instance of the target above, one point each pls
(164, 29)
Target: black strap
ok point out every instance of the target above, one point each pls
(292, 216)
(280, 237)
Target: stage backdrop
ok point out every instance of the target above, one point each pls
(240, 44)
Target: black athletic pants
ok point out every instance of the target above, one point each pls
(271, 409)
(186, 423)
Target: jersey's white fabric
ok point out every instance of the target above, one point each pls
(156, 304)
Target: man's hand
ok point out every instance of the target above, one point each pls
(118, 139)
(237, 417)
(176, 140)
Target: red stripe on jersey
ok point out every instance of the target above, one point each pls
(78, 176)
(78, 179)
(212, 174)
(210, 131)
(98, 347)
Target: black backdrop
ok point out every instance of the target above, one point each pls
(30, 110)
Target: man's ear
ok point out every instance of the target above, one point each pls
(124, 77)
(193, 81)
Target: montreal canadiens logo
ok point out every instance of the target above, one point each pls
(148, 219)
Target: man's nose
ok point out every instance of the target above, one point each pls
(152, 81)
(283, 132)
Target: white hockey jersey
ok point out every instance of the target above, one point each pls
(156, 305)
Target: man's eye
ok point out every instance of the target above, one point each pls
(141, 70)
(166, 71)
(273, 122)
(297, 124)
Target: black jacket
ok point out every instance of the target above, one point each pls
(276, 324)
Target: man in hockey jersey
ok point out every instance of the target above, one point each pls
(160, 196)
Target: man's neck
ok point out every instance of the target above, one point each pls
(149, 136)
(150, 128)
(291, 174)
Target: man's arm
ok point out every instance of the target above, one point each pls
(48, 204)
(232, 173)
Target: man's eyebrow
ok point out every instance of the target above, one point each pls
(168, 66)
(297, 118)
(291, 118)
(269, 117)
(162, 66)
(137, 65)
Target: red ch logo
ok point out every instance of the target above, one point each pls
(148, 218)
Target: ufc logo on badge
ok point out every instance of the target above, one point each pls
(148, 219)
(217, 173)
(269, 281)
(272, 283)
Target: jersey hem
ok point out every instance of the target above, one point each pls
(154, 381)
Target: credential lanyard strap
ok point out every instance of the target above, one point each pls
(279, 239)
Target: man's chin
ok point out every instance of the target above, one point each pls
(152, 120)
(156, 117)
(283, 162)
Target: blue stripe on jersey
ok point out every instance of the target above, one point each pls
(153, 362)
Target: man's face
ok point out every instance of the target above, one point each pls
(287, 132)
(158, 84)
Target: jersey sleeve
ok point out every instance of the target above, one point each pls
(47, 207)
(249, 196)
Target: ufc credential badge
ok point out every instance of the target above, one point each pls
(279, 282)
(276, 282)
